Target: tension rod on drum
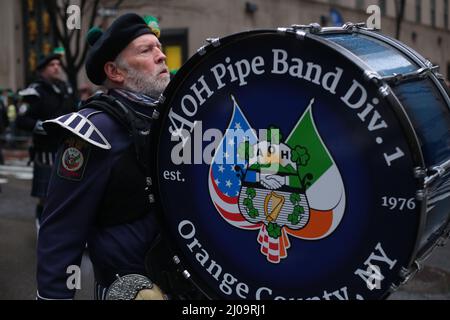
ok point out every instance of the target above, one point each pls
(418, 74)
(351, 26)
(313, 27)
(439, 170)
(300, 30)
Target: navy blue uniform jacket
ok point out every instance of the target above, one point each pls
(68, 222)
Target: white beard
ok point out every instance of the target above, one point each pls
(149, 84)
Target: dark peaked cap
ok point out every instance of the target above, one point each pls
(108, 45)
(45, 60)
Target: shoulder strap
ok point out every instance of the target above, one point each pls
(30, 90)
(116, 109)
(138, 128)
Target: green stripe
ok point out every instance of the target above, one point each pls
(305, 135)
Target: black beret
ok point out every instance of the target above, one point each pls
(108, 45)
(45, 60)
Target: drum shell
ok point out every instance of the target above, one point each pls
(426, 102)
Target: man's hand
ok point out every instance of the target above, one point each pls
(154, 293)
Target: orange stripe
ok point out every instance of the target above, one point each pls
(282, 246)
(287, 243)
(319, 224)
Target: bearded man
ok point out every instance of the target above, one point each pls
(100, 193)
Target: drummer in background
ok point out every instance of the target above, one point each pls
(98, 194)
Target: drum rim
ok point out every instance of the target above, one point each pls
(408, 131)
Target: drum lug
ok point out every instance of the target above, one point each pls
(302, 30)
(420, 195)
(375, 77)
(282, 30)
(418, 74)
(428, 63)
(155, 115)
(300, 34)
(202, 50)
(407, 274)
(312, 28)
(384, 91)
(435, 69)
(161, 99)
(350, 26)
(393, 288)
(442, 241)
(439, 171)
(215, 42)
(420, 173)
(372, 75)
(186, 274)
(176, 260)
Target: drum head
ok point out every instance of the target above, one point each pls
(283, 174)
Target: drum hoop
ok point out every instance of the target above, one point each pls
(399, 111)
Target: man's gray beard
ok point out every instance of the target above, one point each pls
(151, 85)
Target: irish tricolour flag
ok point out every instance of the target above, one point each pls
(325, 191)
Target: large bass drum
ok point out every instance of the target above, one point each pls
(304, 163)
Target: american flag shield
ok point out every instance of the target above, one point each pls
(227, 169)
(225, 184)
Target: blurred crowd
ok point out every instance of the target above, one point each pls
(12, 104)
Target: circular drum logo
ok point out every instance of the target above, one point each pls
(275, 188)
(276, 161)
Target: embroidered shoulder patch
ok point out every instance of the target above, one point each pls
(73, 160)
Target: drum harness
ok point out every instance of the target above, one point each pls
(137, 127)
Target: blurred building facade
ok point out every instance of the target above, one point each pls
(186, 24)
